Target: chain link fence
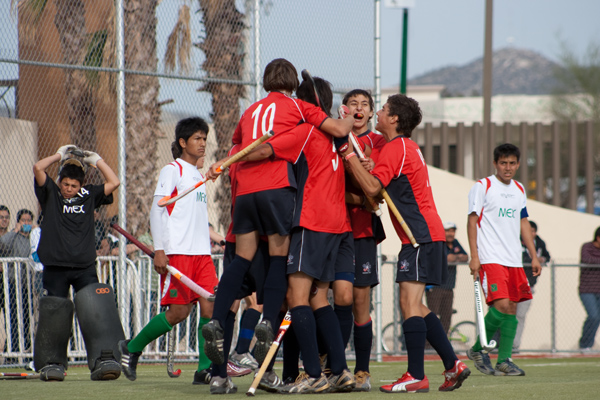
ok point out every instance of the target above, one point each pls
(60, 64)
(59, 83)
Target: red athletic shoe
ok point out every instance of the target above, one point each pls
(235, 371)
(455, 376)
(407, 384)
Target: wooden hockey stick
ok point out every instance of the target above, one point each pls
(401, 221)
(171, 341)
(480, 319)
(165, 201)
(285, 324)
(362, 156)
(174, 271)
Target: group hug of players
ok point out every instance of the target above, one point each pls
(302, 223)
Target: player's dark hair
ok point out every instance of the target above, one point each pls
(4, 208)
(597, 233)
(184, 130)
(408, 112)
(359, 92)
(305, 92)
(24, 211)
(506, 150)
(72, 169)
(280, 74)
(533, 225)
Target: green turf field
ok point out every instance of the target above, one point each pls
(547, 379)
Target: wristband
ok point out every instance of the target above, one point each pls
(349, 156)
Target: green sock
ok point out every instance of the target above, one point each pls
(157, 327)
(493, 319)
(203, 361)
(508, 330)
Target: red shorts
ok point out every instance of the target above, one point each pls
(198, 268)
(500, 282)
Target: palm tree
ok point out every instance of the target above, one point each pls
(142, 111)
(222, 45)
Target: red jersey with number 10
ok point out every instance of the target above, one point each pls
(279, 113)
(320, 204)
(401, 169)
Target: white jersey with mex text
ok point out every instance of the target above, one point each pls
(500, 209)
(184, 224)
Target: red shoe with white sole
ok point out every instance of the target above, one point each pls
(455, 376)
(407, 384)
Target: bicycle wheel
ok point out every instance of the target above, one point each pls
(391, 345)
(463, 335)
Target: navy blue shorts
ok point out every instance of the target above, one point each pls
(427, 263)
(365, 262)
(254, 280)
(268, 212)
(321, 255)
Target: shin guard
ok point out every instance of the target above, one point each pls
(53, 331)
(99, 321)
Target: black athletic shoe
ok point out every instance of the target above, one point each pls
(106, 368)
(213, 341)
(52, 372)
(202, 378)
(128, 360)
(264, 339)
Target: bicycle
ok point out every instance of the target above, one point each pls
(462, 336)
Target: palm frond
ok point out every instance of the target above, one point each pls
(179, 43)
(30, 12)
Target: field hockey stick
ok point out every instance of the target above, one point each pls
(308, 77)
(399, 218)
(14, 375)
(285, 324)
(362, 156)
(171, 339)
(386, 196)
(480, 320)
(165, 201)
(174, 271)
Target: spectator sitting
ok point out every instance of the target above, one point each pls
(16, 242)
(4, 220)
(113, 241)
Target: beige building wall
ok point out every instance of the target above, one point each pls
(18, 153)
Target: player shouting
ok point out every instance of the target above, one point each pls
(367, 231)
(181, 239)
(402, 171)
(264, 204)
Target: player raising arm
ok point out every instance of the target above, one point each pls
(67, 250)
(264, 204)
(497, 218)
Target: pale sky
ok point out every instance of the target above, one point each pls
(441, 33)
(451, 32)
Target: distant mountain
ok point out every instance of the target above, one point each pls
(515, 71)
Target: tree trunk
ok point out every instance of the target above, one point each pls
(223, 47)
(142, 111)
(70, 23)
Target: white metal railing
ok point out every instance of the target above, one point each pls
(21, 289)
